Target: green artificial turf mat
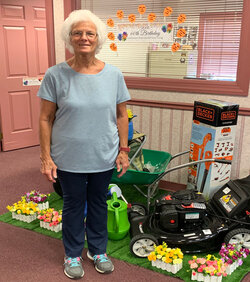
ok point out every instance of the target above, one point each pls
(120, 249)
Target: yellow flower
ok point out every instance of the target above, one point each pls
(130, 113)
(159, 256)
(152, 256)
(177, 261)
(168, 260)
(162, 253)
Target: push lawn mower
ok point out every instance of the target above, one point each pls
(186, 220)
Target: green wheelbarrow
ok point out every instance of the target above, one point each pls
(158, 159)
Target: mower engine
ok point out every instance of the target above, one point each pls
(180, 211)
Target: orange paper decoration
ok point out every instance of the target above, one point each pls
(142, 9)
(111, 36)
(132, 18)
(110, 23)
(175, 47)
(181, 32)
(113, 47)
(167, 11)
(151, 17)
(181, 18)
(120, 14)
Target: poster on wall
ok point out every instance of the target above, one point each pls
(147, 32)
(190, 39)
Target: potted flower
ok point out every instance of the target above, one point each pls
(37, 197)
(166, 258)
(232, 256)
(50, 219)
(130, 124)
(207, 269)
(23, 211)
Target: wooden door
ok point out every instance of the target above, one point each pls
(24, 60)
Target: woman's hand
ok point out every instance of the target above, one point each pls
(49, 169)
(122, 163)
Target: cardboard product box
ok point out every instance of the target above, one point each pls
(213, 136)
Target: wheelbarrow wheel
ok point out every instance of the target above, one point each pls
(240, 237)
(142, 245)
(57, 187)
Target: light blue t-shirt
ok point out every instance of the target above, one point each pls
(84, 134)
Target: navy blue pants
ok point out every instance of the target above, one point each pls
(77, 189)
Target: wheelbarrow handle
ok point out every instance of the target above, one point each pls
(180, 154)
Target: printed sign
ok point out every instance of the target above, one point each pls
(32, 81)
(147, 32)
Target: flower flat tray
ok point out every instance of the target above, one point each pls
(54, 228)
(23, 217)
(173, 268)
(206, 278)
(43, 206)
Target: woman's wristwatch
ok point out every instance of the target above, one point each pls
(124, 149)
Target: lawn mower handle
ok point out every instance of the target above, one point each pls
(223, 161)
(189, 164)
(154, 184)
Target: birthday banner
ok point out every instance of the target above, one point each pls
(147, 32)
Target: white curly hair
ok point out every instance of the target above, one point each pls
(82, 16)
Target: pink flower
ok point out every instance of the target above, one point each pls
(210, 269)
(240, 262)
(201, 260)
(193, 265)
(200, 269)
(210, 263)
(203, 266)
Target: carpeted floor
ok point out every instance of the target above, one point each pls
(35, 257)
(27, 256)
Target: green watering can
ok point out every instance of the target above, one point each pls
(118, 224)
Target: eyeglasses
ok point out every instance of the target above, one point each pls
(78, 34)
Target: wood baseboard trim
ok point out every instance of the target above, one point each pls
(171, 186)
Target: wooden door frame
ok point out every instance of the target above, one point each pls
(50, 32)
(69, 5)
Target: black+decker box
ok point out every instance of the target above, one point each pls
(215, 112)
(213, 136)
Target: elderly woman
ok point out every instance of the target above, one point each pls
(83, 135)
